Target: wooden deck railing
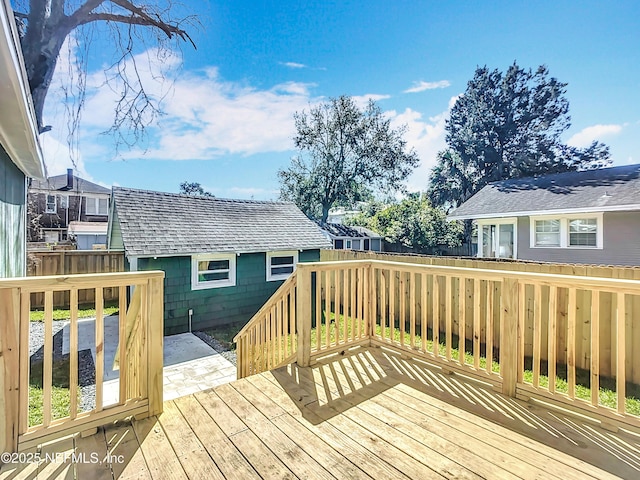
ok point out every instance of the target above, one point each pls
(519, 331)
(268, 340)
(138, 356)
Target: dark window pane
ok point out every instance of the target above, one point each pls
(281, 270)
(338, 244)
(212, 277)
(217, 265)
(282, 260)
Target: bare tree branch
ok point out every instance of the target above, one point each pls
(169, 30)
(49, 23)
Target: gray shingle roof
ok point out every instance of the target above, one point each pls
(80, 185)
(157, 223)
(606, 189)
(339, 230)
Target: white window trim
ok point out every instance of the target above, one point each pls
(497, 222)
(564, 230)
(202, 285)
(283, 253)
(46, 203)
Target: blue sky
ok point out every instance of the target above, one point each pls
(229, 106)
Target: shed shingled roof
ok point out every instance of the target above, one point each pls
(605, 189)
(157, 223)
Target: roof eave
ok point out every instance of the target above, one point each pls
(563, 211)
(18, 131)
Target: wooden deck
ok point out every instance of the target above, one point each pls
(370, 413)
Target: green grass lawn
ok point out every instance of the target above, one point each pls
(60, 397)
(62, 314)
(60, 393)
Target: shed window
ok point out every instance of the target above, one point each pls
(213, 271)
(281, 264)
(51, 204)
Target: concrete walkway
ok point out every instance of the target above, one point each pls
(190, 365)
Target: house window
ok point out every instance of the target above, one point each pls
(51, 204)
(348, 244)
(281, 264)
(338, 244)
(97, 206)
(547, 233)
(571, 231)
(213, 271)
(367, 244)
(583, 232)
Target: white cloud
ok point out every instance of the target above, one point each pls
(421, 86)
(587, 135)
(362, 100)
(427, 137)
(293, 65)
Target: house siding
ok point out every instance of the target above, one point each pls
(216, 306)
(76, 210)
(621, 243)
(12, 218)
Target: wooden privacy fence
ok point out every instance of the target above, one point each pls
(138, 357)
(520, 331)
(71, 262)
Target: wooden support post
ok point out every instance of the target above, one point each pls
(370, 302)
(9, 368)
(155, 334)
(303, 315)
(509, 336)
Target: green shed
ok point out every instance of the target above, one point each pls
(222, 258)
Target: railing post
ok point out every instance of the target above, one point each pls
(509, 336)
(9, 368)
(155, 334)
(303, 314)
(371, 299)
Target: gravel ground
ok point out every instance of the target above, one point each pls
(217, 346)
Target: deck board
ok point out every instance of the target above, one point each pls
(369, 414)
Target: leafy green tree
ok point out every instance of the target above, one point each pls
(507, 126)
(344, 154)
(194, 189)
(412, 222)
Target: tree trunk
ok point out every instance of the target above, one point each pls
(325, 212)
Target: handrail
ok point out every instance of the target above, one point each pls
(139, 391)
(268, 340)
(268, 304)
(482, 322)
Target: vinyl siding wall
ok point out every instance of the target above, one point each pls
(12, 218)
(216, 306)
(621, 243)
